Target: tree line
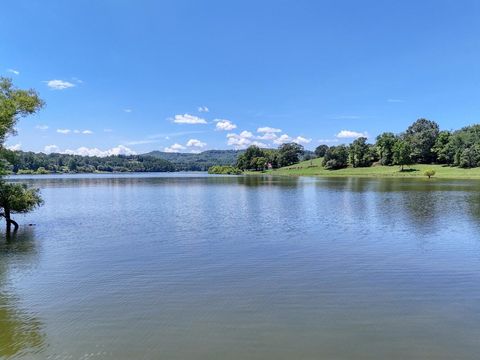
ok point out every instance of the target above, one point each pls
(21, 162)
(421, 143)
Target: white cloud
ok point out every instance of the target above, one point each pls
(87, 132)
(267, 136)
(259, 144)
(174, 148)
(84, 151)
(283, 139)
(41, 127)
(59, 84)
(225, 125)
(188, 119)
(203, 109)
(107, 130)
(196, 143)
(349, 134)
(240, 141)
(395, 100)
(15, 147)
(246, 134)
(301, 140)
(13, 71)
(267, 129)
(64, 131)
(51, 149)
(127, 110)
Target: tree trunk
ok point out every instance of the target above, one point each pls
(9, 222)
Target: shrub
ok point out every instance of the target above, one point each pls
(429, 173)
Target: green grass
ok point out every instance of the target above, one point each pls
(314, 168)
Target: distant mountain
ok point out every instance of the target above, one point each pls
(198, 162)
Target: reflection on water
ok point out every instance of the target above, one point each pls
(190, 266)
(21, 332)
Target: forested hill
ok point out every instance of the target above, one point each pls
(25, 162)
(198, 162)
(22, 162)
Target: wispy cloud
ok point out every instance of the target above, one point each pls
(395, 100)
(188, 119)
(13, 71)
(203, 109)
(41, 127)
(349, 134)
(76, 131)
(327, 141)
(59, 84)
(224, 125)
(127, 110)
(64, 131)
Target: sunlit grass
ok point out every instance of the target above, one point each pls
(314, 168)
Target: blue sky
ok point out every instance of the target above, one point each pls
(134, 76)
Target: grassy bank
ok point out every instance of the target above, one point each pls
(314, 168)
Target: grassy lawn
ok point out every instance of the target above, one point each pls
(315, 168)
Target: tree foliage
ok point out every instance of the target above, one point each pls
(17, 198)
(360, 154)
(402, 153)
(336, 157)
(321, 150)
(384, 147)
(15, 104)
(421, 137)
(289, 154)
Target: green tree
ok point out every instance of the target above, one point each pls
(402, 154)
(429, 173)
(15, 104)
(17, 198)
(336, 157)
(442, 149)
(289, 154)
(321, 150)
(421, 136)
(244, 161)
(259, 163)
(359, 153)
(384, 146)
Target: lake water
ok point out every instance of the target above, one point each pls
(189, 266)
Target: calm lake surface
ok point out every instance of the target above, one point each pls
(189, 266)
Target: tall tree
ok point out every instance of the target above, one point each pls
(384, 146)
(336, 157)
(289, 153)
(402, 153)
(421, 137)
(15, 104)
(359, 153)
(321, 150)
